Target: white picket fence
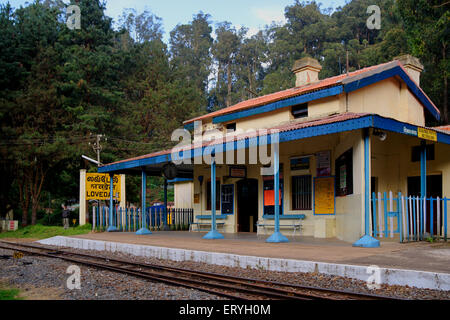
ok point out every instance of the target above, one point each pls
(412, 218)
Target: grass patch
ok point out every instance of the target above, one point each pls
(41, 232)
(9, 294)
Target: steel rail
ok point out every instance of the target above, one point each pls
(254, 287)
(210, 287)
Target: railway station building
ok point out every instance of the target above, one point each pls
(337, 142)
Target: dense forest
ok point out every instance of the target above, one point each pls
(60, 88)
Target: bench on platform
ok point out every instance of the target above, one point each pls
(295, 224)
(205, 221)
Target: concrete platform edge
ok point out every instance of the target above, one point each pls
(391, 276)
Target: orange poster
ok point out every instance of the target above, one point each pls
(269, 197)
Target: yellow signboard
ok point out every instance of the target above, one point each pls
(324, 195)
(426, 134)
(97, 186)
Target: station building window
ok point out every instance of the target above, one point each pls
(344, 173)
(231, 127)
(301, 192)
(299, 111)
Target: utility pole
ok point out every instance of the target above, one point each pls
(97, 146)
(347, 63)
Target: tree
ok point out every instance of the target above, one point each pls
(224, 50)
(427, 31)
(190, 46)
(141, 27)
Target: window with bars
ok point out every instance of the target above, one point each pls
(301, 192)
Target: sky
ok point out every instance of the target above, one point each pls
(253, 14)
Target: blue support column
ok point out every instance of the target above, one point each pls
(367, 241)
(111, 226)
(423, 170)
(143, 230)
(213, 234)
(423, 184)
(277, 236)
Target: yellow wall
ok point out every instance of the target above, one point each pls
(389, 98)
(183, 194)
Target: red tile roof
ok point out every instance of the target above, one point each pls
(289, 93)
(442, 128)
(281, 128)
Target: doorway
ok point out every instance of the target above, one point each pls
(247, 205)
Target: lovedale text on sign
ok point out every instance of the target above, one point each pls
(97, 186)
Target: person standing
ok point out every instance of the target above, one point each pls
(65, 216)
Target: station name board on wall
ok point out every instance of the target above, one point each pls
(97, 186)
(422, 133)
(324, 195)
(426, 134)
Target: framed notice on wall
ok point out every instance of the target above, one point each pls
(238, 172)
(324, 195)
(323, 163)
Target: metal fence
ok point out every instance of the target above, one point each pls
(413, 218)
(130, 219)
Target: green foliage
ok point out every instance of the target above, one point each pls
(39, 231)
(10, 294)
(427, 30)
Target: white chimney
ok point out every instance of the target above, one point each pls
(306, 71)
(412, 66)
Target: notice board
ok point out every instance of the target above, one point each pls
(324, 195)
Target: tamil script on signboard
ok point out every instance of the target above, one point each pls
(97, 186)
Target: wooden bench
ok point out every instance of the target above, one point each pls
(295, 224)
(201, 222)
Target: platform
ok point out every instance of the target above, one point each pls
(434, 257)
(420, 264)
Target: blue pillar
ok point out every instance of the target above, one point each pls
(213, 234)
(367, 241)
(144, 229)
(423, 183)
(111, 226)
(423, 170)
(277, 236)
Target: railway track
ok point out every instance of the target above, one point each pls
(228, 286)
